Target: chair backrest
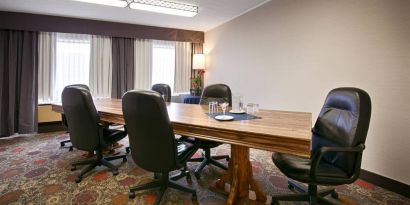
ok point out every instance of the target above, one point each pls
(163, 89)
(63, 118)
(216, 92)
(342, 122)
(150, 132)
(82, 118)
(81, 86)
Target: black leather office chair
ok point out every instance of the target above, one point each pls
(64, 120)
(164, 90)
(153, 144)
(220, 93)
(338, 139)
(85, 130)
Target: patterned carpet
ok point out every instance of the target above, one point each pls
(35, 170)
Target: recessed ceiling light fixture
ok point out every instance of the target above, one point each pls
(116, 3)
(166, 7)
(159, 6)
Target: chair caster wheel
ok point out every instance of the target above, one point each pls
(194, 197)
(291, 187)
(124, 159)
(115, 172)
(131, 195)
(78, 179)
(274, 202)
(73, 168)
(335, 195)
(197, 175)
(127, 150)
(62, 144)
(70, 149)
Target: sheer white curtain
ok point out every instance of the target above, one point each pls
(163, 62)
(143, 64)
(183, 65)
(72, 61)
(46, 66)
(100, 76)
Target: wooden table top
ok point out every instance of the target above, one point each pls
(277, 131)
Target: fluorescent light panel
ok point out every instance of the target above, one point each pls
(158, 6)
(116, 3)
(165, 7)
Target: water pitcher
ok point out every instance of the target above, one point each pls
(237, 103)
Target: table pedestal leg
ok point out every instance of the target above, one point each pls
(240, 176)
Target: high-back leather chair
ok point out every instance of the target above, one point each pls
(164, 90)
(220, 93)
(152, 141)
(216, 92)
(85, 130)
(64, 120)
(338, 140)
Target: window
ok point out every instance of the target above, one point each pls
(72, 62)
(163, 62)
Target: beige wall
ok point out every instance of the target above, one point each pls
(287, 54)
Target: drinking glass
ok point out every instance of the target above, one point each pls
(255, 108)
(224, 105)
(241, 106)
(213, 107)
(249, 108)
(237, 104)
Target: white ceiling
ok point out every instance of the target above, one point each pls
(212, 13)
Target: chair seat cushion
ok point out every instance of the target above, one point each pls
(113, 135)
(207, 144)
(203, 144)
(298, 168)
(185, 150)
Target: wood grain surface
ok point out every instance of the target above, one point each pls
(276, 131)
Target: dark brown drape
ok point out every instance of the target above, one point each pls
(18, 82)
(197, 48)
(122, 66)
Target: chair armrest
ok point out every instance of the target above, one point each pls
(319, 155)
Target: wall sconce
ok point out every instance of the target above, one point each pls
(198, 62)
(198, 65)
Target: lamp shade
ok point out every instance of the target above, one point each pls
(198, 61)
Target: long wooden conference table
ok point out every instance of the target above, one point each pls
(276, 131)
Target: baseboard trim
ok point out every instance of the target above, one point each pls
(45, 127)
(386, 183)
